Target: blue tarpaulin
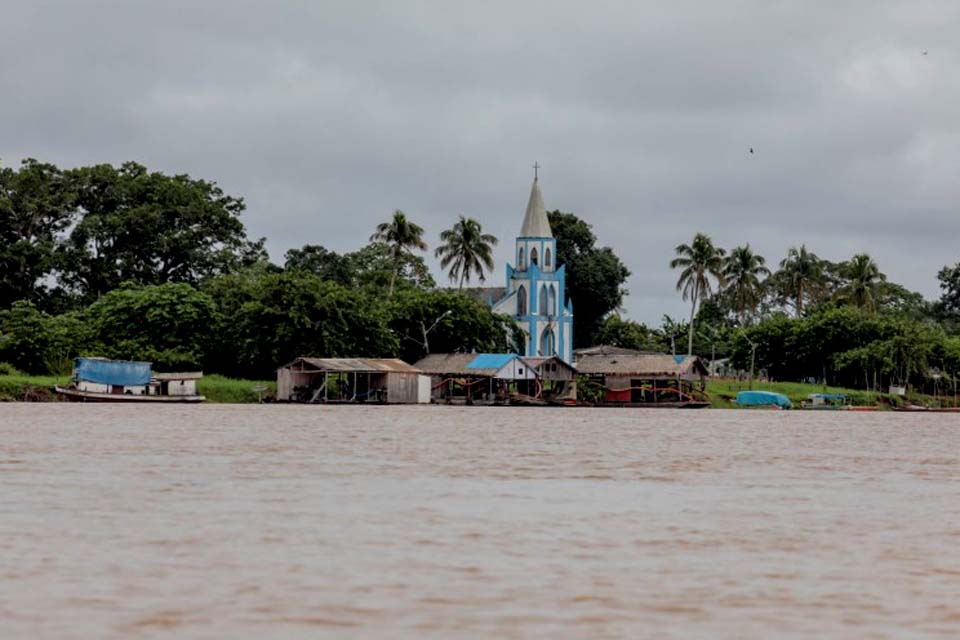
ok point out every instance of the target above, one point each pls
(119, 372)
(491, 360)
(763, 398)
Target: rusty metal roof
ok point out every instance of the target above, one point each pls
(641, 365)
(355, 365)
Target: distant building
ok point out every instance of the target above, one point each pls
(536, 292)
(352, 380)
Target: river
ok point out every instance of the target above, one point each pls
(227, 521)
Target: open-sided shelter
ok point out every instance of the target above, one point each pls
(478, 377)
(645, 379)
(350, 380)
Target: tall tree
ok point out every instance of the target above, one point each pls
(698, 261)
(595, 275)
(36, 206)
(400, 235)
(466, 249)
(742, 271)
(150, 228)
(863, 279)
(800, 272)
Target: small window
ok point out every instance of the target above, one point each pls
(547, 258)
(520, 371)
(520, 265)
(522, 301)
(533, 256)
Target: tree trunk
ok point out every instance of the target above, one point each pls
(693, 311)
(460, 288)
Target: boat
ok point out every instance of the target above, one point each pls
(104, 380)
(763, 399)
(826, 402)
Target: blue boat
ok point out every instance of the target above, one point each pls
(763, 399)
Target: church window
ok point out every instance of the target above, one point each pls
(552, 302)
(520, 265)
(522, 301)
(547, 348)
(544, 301)
(547, 258)
(533, 256)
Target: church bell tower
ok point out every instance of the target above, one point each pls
(536, 295)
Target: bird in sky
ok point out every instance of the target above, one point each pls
(925, 52)
(751, 149)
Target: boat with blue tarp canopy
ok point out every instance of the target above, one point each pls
(103, 380)
(763, 399)
(119, 372)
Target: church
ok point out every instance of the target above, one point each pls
(536, 292)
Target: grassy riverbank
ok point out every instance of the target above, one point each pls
(723, 391)
(19, 387)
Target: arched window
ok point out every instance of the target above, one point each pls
(547, 346)
(547, 258)
(552, 304)
(544, 301)
(522, 301)
(520, 265)
(533, 256)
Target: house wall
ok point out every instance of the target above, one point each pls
(403, 388)
(182, 387)
(287, 379)
(516, 369)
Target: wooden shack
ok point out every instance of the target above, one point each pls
(478, 378)
(628, 378)
(352, 380)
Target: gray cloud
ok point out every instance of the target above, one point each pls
(327, 116)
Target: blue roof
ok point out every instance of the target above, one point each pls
(491, 360)
(679, 359)
(118, 372)
(761, 398)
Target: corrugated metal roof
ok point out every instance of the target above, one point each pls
(186, 375)
(450, 364)
(491, 360)
(356, 365)
(641, 365)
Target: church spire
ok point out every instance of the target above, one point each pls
(535, 222)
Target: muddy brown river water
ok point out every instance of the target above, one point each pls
(409, 522)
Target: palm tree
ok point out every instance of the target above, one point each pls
(400, 235)
(802, 271)
(699, 260)
(466, 249)
(863, 278)
(742, 271)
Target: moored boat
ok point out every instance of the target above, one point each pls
(103, 380)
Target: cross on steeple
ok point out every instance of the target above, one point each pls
(536, 166)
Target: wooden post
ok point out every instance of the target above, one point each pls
(326, 385)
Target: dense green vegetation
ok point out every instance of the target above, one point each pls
(131, 264)
(128, 263)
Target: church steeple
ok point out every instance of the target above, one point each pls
(535, 222)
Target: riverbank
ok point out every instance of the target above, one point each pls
(216, 388)
(722, 392)
(221, 389)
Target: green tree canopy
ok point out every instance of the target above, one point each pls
(466, 250)
(743, 272)
(400, 235)
(454, 322)
(150, 228)
(169, 325)
(36, 206)
(595, 275)
(698, 262)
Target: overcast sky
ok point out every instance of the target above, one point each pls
(327, 116)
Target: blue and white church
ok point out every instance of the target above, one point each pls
(536, 293)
